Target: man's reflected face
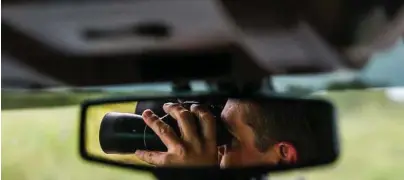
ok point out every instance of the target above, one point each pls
(242, 151)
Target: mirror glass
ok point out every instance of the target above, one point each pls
(223, 132)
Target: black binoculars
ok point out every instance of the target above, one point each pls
(123, 133)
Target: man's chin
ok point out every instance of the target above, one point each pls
(225, 163)
(221, 163)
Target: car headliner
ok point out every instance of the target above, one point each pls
(55, 25)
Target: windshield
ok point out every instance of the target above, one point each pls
(39, 127)
(40, 137)
(383, 70)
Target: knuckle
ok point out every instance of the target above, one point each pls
(207, 119)
(152, 118)
(163, 128)
(166, 159)
(140, 155)
(181, 151)
(198, 108)
(148, 156)
(156, 124)
(205, 116)
(183, 113)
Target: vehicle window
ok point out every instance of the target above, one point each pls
(39, 128)
(40, 140)
(383, 70)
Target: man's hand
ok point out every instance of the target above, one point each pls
(188, 150)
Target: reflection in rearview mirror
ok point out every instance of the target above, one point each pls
(223, 132)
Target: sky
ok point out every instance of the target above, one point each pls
(395, 94)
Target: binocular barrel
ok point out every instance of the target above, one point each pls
(124, 133)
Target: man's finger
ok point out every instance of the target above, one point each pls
(185, 119)
(163, 130)
(152, 157)
(208, 124)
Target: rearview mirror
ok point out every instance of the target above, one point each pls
(205, 131)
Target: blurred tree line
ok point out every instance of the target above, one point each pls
(355, 84)
(40, 98)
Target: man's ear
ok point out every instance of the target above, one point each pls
(287, 152)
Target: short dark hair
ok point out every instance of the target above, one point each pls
(277, 121)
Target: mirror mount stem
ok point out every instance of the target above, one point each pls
(240, 87)
(181, 86)
(230, 87)
(267, 84)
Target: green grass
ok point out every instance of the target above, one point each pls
(42, 143)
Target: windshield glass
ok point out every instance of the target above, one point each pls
(39, 126)
(40, 137)
(383, 70)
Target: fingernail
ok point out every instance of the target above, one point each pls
(138, 152)
(167, 104)
(147, 113)
(199, 107)
(194, 105)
